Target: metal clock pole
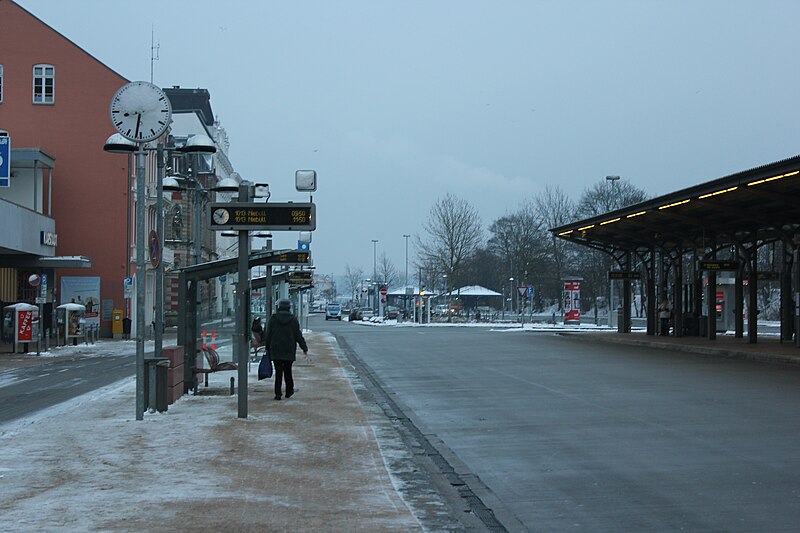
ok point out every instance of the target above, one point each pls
(140, 280)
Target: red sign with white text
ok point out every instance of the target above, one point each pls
(572, 301)
(24, 326)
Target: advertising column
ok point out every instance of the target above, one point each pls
(572, 300)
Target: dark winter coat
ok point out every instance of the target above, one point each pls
(283, 336)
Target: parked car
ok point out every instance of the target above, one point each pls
(355, 314)
(392, 312)
(333, 312)
(366, 312)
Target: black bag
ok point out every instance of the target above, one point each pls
(265, 366)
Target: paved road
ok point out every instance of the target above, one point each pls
(571, 435)
(28, 390)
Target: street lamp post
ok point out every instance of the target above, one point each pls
(374, 269)
(511, 292)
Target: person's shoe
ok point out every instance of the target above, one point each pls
(290, 393)
(278, 397)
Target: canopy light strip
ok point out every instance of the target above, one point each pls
(716, 193)
(611, 221)
(586, 227)
(773, 178)
(675, 204)
(640, 213)
(565, 233)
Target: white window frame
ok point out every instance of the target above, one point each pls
(43, 76)
(1, 83)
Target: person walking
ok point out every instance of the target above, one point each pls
(283, 336)
(664, 315)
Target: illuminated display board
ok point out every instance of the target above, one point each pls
(262, 216)
(719, 265)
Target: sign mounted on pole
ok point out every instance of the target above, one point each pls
(290, 258)
(5, 159)
(719, 265)
(623, 274)
(262, 216)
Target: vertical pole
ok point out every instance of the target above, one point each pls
(198, 236)
(796, 292)
(752, 318)
(159, 340)
(140, 281)
(242, 297)
(677, 305)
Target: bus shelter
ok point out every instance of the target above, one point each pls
(709, 248)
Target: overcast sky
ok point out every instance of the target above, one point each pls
(395, 104)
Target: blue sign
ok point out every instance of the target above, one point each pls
(222, 278)
(5, 161)
(530, 291)
(302, 245)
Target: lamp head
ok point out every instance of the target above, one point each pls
(199, 144)
(172, 184)
(117, 144)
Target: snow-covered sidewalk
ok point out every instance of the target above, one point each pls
(308, 463)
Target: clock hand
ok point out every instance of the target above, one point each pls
(138, 123)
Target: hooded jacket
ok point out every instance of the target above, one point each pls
(283, 336)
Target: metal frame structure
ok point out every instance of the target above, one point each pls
(727, 219)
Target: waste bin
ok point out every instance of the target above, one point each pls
(158, 366)
(126, 328)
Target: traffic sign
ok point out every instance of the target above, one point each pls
(384, 291)
(154, 247)
(262, 216)
(522, 291)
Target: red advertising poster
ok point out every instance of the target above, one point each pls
(25, 326)
(572, 302)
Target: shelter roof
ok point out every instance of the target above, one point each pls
(475, 290)
(763, 202)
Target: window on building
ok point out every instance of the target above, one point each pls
(1, 84)
(44, 81)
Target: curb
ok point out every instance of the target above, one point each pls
(762, 357)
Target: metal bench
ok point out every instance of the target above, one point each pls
(214, 365)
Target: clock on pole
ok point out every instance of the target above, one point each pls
(140, 111)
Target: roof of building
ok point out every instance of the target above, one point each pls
(197, 100)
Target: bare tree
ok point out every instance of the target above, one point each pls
(454, 234)
(353, 277)
(387, 273)
(605, 196)
(554, 208)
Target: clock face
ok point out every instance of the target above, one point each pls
(140, 111)
(221, 216)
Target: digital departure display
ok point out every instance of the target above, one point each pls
(262, 216)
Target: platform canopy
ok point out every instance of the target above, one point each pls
(762, 203)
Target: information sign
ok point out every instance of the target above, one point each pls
(719, 265)
(5, 160)
(623, 274)
(262, 216)
(290, 258)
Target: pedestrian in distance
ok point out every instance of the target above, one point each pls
(283, 336)
(664, 315)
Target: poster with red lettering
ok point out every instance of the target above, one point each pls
(25, 326)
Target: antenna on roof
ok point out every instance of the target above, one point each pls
(154, 49)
